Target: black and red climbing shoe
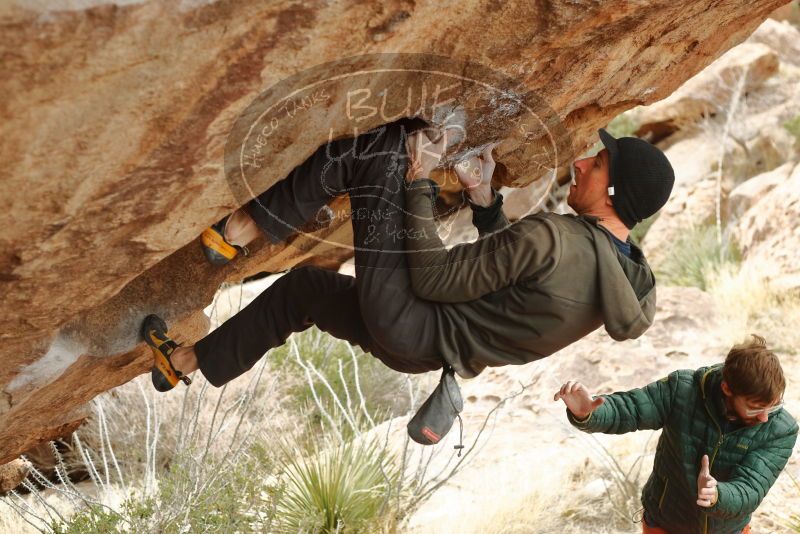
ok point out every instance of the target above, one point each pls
(217, 249)
(165, 376)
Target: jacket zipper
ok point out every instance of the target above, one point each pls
(714, 454)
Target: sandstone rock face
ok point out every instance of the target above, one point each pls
(782, 37)
(787, 13)
(695, 158)
(710, 91)
(12, 474)
(115, 119)
(713, 156)
(747, 194)
(768, 232)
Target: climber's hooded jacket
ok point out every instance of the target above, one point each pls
(523, 291)
(688, 405)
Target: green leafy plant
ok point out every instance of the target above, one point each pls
(98, 519)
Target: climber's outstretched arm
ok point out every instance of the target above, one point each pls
(527, 250)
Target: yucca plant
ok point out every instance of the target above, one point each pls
(341, 488)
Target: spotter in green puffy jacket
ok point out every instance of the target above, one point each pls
(747, 442)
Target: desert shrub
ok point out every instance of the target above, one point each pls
(237, 501)
(640, 230)
(223, 471)
(313, 362)
(97, 519)
(206, 476)
(794, 522)
(623, 476)
(694, 257)
(201, 459)
(793, 127)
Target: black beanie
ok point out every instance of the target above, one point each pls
(641, 177)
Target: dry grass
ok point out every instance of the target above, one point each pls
(599, 494)
(747, 302)
(511, 512)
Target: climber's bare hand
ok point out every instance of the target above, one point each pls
(477, 171)
(424, 155)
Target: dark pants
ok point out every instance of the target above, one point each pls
(377, 309)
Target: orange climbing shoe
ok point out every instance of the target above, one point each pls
(217, 249)
(165, 376)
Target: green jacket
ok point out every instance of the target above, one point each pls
(526, 290)
(688, 406)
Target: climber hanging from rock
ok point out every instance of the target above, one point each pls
(521, 292)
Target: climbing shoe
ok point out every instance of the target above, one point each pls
(165, 376)
(217, 249)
